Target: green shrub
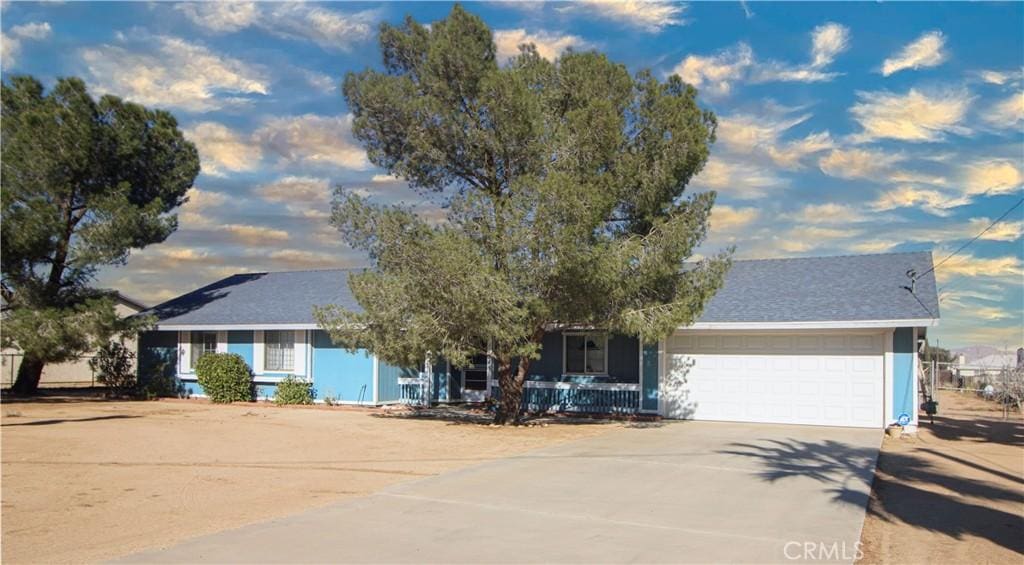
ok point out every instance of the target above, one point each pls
(291, 390)
(114, 365)
(225, 377)
(159, 382)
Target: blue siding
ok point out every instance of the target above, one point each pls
(623, 361)
(192, 388)
(240, 342)
(158, 355)
(649, 390)
(903, 373)
(343, 375)
(388, 389)
(441, 391)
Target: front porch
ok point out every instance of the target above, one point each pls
(578, 372)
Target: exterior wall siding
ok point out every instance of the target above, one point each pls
(241, 342)
(342, 375)
(904, 400)
(649, 390)
(623, 361)
(388, 389)
(157, 356)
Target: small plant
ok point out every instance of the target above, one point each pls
(291, 390)
(114, 365)
(225, 377)
(157, 382)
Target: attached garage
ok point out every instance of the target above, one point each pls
(829, 379)
(826, 341)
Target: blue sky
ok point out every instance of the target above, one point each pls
(844, 128)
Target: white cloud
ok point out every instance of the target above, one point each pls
(306, 197)
(907, 196)
(221, 17)
(11, 41)
(996, 176)
(178, 74)
(726, 218)
(254, 235)
(828, 41)
(872, 246)
(650, 15)
(967, 265)
(320, 81)
(296, 189)
(549, 45)
(193, 214)
(36, 31)
(925, 51)
(736, 178)
(1003, 231)
(1007, 113)
(10, 48)
(305, 259)
(315, 139)
(330, 29)
(716, 73)
(914, 116)
(994, 77)
(761, 135)
(858, 163)
(222, 150)
(828, 213)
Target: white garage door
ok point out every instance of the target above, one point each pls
(831, 379)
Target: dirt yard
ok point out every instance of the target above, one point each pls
(88, 480)
(953, 494)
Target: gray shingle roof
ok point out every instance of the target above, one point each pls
(846, 288)
(258, 298)
(815, 289)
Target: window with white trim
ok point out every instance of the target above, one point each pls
(278, 350)
(586, 353)
(201, 344)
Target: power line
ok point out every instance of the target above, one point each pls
(983, 232)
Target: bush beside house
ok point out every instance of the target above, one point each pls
(225, 377)
(293, 390)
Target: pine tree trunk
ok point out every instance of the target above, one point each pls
(29, 373)
(511, 384)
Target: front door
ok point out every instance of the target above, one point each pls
(474, 380)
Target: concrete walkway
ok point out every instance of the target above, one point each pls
(678, 492)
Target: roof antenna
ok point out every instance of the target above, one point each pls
(912, 274)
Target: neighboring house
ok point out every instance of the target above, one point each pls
(75, 373)
(823, 341)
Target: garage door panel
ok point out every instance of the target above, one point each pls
(825, 379)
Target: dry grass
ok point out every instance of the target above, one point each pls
(954, 493)
(88, 480)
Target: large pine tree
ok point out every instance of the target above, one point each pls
(568, 209)
(83, 182)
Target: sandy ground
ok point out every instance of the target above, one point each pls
(88, 480)
(953, 494)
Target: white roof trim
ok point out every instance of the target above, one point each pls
(819, 325)
(214, 327)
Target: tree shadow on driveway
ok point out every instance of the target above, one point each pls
(906, 488)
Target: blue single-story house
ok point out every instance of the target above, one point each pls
(819, 341)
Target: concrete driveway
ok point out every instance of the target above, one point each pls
(678, 492)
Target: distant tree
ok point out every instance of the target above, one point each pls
(568, 204)
(83, 182)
